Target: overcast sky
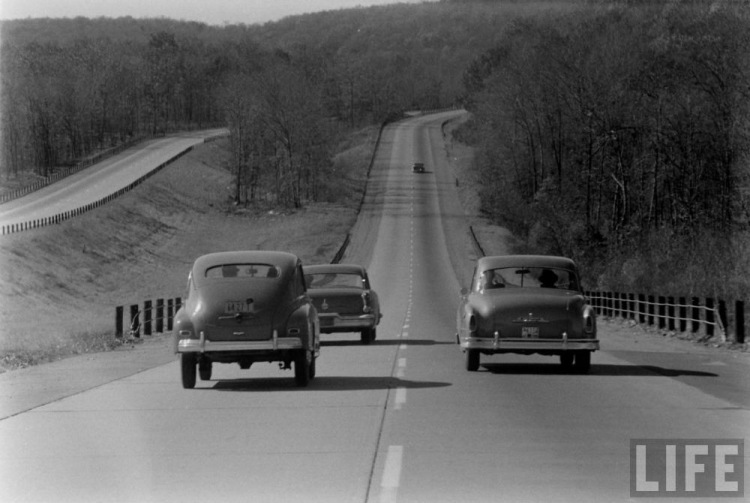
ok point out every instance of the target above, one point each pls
(208, 11)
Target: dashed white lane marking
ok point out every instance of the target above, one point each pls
(402, 362)
(402, 347)
(391, 474)
(400, 398)
(404, 334)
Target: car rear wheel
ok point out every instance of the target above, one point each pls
(312, 368)
(188, 363)
(205, 366)
(472, 360)
(583, 361)
(302, 368)
(367, 335)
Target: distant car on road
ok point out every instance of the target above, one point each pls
(526, 304)
(418, 167)
(245, 307)
(344, 299)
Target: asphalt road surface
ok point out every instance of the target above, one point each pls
(101, 180)
(397, 421)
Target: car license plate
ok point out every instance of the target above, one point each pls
(234, 307)
(530, 332)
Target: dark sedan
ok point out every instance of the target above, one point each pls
(245, 307)
(344, 299)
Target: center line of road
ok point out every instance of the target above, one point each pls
(400, 398)
(391, 473)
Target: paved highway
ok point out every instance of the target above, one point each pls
(101, 180)
(397, 421)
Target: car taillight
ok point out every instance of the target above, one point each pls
(366, 302)
(589, 324)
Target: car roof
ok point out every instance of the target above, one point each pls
(334, 268)
(500, 261)
(283, 260)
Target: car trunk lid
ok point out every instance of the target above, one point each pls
(239, 310)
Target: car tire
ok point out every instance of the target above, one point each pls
(367, 335)
(566, 360)
(312, 370)
(188, 364)
(302, 368)
(205, 367)
(472, 360)
(583, 362)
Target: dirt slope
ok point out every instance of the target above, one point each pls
(64, 281)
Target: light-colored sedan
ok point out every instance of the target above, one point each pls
(526, 304)
(245, 307)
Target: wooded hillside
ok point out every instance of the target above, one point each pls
(619, 136)
(613, 132)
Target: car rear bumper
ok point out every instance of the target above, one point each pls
(487, 344)
(202, 345)
(335, 321)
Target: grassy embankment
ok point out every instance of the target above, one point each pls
(59, 285)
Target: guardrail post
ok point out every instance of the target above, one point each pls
(710, 317)
(118, 321)
(683, 314)
(641, 309)
(723, 316)
(159, 316)
(170, 313)
(670, 314)
(739, 321)
(662, 312)
(651, 310)
(695, 315)
(135, 321)
(147, 316)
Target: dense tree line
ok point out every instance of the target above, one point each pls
(619, 136)
(71, 87)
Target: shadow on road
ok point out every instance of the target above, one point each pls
(389, 342)
(322, 383)
(596, 370)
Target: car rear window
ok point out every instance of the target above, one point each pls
(334, 280)
(242, 271)
(529, 277)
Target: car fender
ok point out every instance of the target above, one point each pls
(305, 320)
(181, 323)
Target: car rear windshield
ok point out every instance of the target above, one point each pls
(242, 271)
(334, 280)
(529, 277)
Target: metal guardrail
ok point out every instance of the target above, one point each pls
(150, 317)
(705, 315)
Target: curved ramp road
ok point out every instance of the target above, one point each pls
(99, 181)
(397, 421)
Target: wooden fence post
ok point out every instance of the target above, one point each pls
(147, 313)
(135, 322)
(170, 313)
(683, 314)
(661, 309)
(670, 314)
(159, 316)
(739, 321)
(118, 321)
(710, 317)
(695, 315)
(651, 310)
